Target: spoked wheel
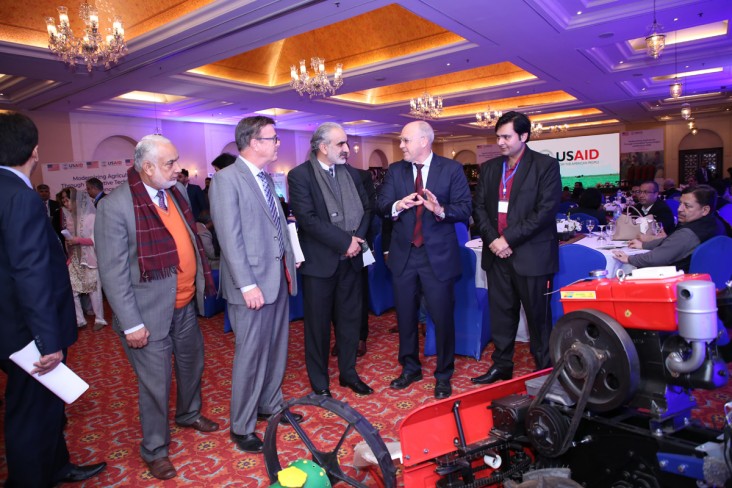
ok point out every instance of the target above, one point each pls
(327, 435)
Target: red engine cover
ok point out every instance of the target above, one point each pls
(648, 304)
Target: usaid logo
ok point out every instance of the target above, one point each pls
(114, 163)
(586, 155)
(73, 165)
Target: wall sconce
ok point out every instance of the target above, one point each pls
(356, 148)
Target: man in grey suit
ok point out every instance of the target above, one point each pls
(257, 269)
(154, 273)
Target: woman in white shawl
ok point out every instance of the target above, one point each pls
(79, 213)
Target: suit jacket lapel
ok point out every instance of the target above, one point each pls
(250, 180)
(433, 179)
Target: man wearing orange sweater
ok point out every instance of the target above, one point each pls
(155, 273)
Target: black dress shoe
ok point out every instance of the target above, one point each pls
(357, 386)
(405, 380)
(81, 473)
(443, 389)
(324, 392)
(248, 442)
(283, 420)
(493, 375)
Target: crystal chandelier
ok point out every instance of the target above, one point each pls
(536, 129)
(656, 40)
(91, 49)
(318, 84)
(555, 129)
(425, 107)
(488, 119)
(685, 111)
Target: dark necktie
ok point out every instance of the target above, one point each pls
(161, 199)
(331, 170)
(272, 210)
(417, 238)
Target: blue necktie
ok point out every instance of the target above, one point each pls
(272, 209)
(161, 199)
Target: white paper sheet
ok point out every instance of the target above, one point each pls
(368, 258)
(62, 381)
(295, 242)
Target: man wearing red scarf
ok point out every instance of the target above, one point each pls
(154, 273)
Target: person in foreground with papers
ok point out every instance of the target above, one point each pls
(155, 273)
(36, 305)
(698, 222)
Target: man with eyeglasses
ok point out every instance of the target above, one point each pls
(424, 195)
(257, 271)
(515, 205)
(649, 204)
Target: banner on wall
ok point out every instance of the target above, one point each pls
(485, 152)
(589, 159)
(641, 156)
(61, 175)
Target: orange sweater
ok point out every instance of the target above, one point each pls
(186, 285)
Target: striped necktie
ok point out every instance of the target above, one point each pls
(272, 209)
(417, 237)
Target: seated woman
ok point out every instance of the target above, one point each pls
(79, 214)
(590, 203)
(698, 222)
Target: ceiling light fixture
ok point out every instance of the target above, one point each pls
(425, 107)
(91, 50)
(488, 118)
(675, 89)
(685, 111)
(319, 84)
(356, 148)
(656, 40)
(536, 129)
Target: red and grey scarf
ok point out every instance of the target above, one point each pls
(157, 255)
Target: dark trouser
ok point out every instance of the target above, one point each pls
(507, 291)
(35, 447)
(364, 332)
(416, 280)
(335, 299)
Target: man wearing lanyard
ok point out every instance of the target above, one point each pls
(514, 209)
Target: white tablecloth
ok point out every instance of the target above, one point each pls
(606, 248)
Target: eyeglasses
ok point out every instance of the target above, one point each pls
(275, 139)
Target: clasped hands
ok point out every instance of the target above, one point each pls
(414, 199)
(500, 248)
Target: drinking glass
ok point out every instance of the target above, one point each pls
(611, 229)
(590, 224)
(656, 227)
(601, 238)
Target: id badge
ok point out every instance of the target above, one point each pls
(502, 206)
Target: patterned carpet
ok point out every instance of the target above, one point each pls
(103, 425)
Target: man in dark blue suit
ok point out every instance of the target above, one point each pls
(198, 199)
(36, 304)
(514, 209)
(424, 195)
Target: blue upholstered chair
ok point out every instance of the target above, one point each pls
(565, 207)
(472, 322)
(726, 213)
(674, 206)
(715, 258)
(381, 291)
(461, 230)
(575, 262)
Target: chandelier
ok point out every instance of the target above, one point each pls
(489, 118)
(91, 49)
(318, 84)
(425, 107)
(555, 129)
(675, 89)
(656, 40)
(685, 111)
(536, 129)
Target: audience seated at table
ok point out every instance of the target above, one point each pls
(649, 204)
(698, 222)
(590, 203)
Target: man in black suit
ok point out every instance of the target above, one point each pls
(649, 204)
(333, 214)
(198, 199)
(52, 206)
(95, 189)
(514, 209)
(424, 194)
(36, 305)
(703, 176)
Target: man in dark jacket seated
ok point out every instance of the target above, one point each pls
(649, 204)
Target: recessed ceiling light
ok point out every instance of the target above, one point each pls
(643, 89)
(579, 12)
(621, 62)
(676, 19)
(448, 64)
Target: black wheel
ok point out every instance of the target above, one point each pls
(329, 444)
(619, 376)
(547, 430)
